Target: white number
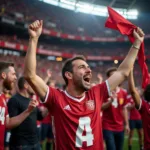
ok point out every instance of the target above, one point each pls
(2, 115)
(84, 125)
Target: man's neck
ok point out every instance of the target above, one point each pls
(24, 93)
(74, 92)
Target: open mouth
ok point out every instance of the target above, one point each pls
(87, 79)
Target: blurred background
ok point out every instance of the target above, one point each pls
(71, 27)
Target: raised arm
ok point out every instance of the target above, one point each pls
(38, 85)
(133, 91)
(125, 67)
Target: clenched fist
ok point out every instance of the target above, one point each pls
(33, 104)
(35, 29)
(138, 34)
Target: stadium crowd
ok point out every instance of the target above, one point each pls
(61, 20)
(43, 64)
(75, 49)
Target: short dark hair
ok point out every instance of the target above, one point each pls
(68, 66)
(147, 93)
(48, 82)
(21, 82)
(110, 70)
(4, 66)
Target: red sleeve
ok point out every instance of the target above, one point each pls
(102, 91)
(142, 106)
(50, 98)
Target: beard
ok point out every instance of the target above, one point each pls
(79, 83)
(7, 84)
(86, 88)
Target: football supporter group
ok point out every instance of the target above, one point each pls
(83, 115)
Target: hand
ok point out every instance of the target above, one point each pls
(41, 108)
(138, 34)
(114, 95)
(33, 104)
(35, 29)
(127, 129)
(110, 99)
(100, 77)
(49, 73)
(44, 111)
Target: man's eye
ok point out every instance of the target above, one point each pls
(81, 67)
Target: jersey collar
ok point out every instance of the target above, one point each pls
(74, 98)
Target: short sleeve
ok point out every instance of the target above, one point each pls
(12, 107)
(102, 91)
(142, 106)
(51, 96)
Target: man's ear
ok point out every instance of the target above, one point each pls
(68, 75)
(26, 85)
(3, 75)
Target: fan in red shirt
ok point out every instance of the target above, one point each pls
(76, 111)
(134, 113)
(7, 80)
(3, 115)
(144, 108)
(135, 122)
(114, 117)
(7, 95)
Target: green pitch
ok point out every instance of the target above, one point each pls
(135, 142)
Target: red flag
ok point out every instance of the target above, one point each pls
(117, 22)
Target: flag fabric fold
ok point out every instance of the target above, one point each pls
(117, 22)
